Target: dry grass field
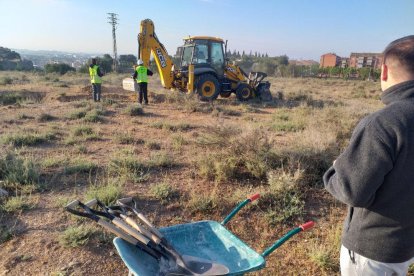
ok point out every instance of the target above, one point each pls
(184, 161)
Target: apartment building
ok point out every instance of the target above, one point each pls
(360, 60)
(329, 60)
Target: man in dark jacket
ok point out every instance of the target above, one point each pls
(96, 81)
(374, 176)
(141, 74)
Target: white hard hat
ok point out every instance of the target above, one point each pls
(140, 62)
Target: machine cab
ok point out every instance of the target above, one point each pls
(206, 53)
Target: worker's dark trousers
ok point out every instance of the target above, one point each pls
(143, 92)
(96, 91)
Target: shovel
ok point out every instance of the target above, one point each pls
(195, 265)
(75, 208)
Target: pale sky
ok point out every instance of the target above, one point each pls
(301, 29)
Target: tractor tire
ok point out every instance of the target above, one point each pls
(225, 94)
(207, 88)
(244, 92)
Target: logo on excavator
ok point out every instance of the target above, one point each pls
(230, 69)
(161, 58)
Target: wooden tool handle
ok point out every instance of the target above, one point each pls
(108, 226)
(141, 229)
(73, 204)
(130, 230)
(150, 226)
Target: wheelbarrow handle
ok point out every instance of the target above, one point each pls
(290, 234)
(239, 207)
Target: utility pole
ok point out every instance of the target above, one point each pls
(113, 20)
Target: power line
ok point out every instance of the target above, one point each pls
(113, 20)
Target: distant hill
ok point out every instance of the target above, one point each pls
(42, 57)
(24, 52)
(304, 62)
(11, 60)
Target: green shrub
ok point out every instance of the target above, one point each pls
(7, 98)
(6, 80)
(83, 131)
(170, 127)
(225, 111)
(75, 236)
(82, 149)
(80, 166)
(152, 145)
(217, 166)
(288, 123)
(61, 68)
(107, 193)
(18, 203)
(134, 110)
(44, 117)
(244, 156)
(284, 199)
(202, 203)
(161, 160)
(325, 252)
(127, 139)
(288, 126)
(16, 170)
(127, 166)
(323, 259)
(109, 102)
(23, 116)
(5, 234)
(94, 116)
(83, 104)
(178, 127)
(283, 207)
(77, 114)
(20, 139)
(218, 136)
(178, 141)
(164, 192)
(126, 162)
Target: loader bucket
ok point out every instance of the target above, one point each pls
(263, 92)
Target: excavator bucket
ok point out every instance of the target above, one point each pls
(263, 92)
(262, 88)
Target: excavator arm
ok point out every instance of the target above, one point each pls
(148, 44)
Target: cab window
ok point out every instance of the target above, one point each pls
(186, 57)
(200, 53)
(217, 56)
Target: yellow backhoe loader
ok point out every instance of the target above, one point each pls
(203, 68)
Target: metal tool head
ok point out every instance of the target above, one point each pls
(197, 266)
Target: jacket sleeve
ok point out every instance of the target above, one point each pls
(149, 72)
(360, 170)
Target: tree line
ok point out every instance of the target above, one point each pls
(278, 66)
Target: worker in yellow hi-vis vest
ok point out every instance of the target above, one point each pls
(141, 74)
(96, 81)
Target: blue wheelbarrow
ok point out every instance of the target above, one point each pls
(209, 240)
